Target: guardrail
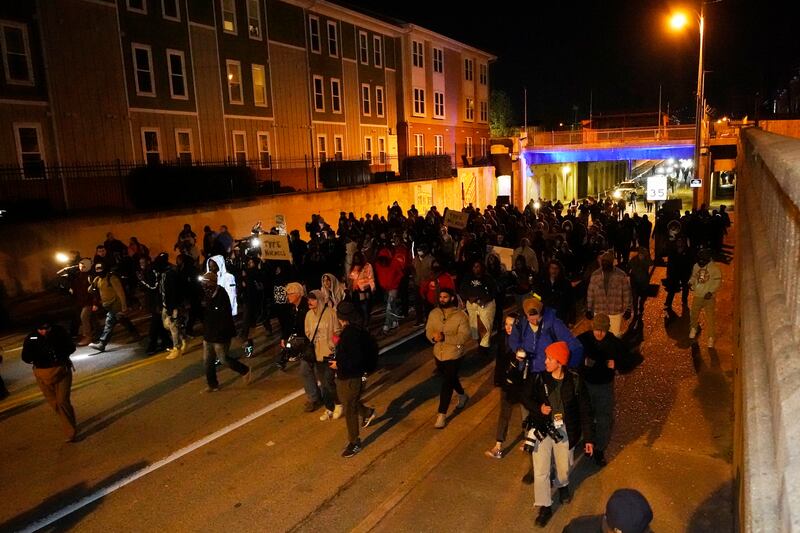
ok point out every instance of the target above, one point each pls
(610, 136)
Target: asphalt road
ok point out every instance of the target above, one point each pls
(160, 454)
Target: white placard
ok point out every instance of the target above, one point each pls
(696, 183)
(657, 188)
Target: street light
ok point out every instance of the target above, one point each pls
(678, 21)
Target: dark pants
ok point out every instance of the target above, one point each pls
(350, 395)
(674, 287)
(220, 350)
(3, 389)
(449, 372)
(506, 407)
(602, 399)
(364, 308)
(56, 384)
(319, 384)
(157, 332)
(639, 297)
(112, 317)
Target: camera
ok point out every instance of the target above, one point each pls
(517, 371)
(536, 430)
(291, 351)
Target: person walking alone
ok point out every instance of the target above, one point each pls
(704, 283)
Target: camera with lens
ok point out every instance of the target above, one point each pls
(538, 429)
(517, 371)
(291, 350)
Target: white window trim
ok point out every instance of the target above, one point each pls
(468, 151)
(234, 133)
(33, 125)
(314, 92)
(235, 30)
(142, 11)
(419, 148)
(433, 60)
(414, 102)
(336, 152)
(467, 118)
(164, 13)
(380, 103)
(31, 81)
(421, 55)
(469, 71)
(484, 147)
(438, 144)
(332, 24)
(324, 137)
(146, 129)
(260, 134)
(253, 68)
(149, 50)
(368, 99)
(442, 114)
(382, 158)
(483, 104)
(362, 48)
(229, 63)
(483, 74)
(178, 131)
(314, 18)
(377, 50)
(338, 83)
(172, 94)
(258, 16)
(371, 151)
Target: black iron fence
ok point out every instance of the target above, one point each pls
(37, 190)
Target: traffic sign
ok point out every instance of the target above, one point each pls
(696, 183)
(657, 188)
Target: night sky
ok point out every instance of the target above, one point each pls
(619, 51)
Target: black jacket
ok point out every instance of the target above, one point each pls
(355, 352)
(218, 325)
(577, 410)
(597, 354)
(297, 320)
(50, 350)
(505, 355)
(558, 295)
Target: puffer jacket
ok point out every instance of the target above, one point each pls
(453, 322)
(551, 329)
(226, 280)
(112, 293)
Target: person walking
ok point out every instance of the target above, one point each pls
(356, 355)
(479, 290)
(704, 283)
(679, 270)
(48, 349)
(639, 268)
(559, 408)
(609, 292)
(448, 329)
(218, 330)
(319, 383)
(115, 304)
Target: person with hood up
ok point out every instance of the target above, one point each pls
(225, 279)
(361, 282)
(422, 271)
(332, 290)
(704, 283)
(321, 326)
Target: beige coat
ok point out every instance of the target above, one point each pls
(328, 327)
(453, 322)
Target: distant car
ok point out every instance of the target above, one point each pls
(624, 190)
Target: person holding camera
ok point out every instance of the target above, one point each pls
(321, 326)
(48, 349)
(293, 332)
(510, 373)
(115, 304)
(356, 355)
(448, 329)
(559, 409)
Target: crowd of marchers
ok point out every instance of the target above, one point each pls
(512, 282)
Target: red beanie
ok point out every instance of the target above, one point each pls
(558, 351)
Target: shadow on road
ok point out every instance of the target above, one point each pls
(67, 497)
(713, 391)
(715, 513)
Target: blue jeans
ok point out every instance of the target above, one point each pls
(390, 321)
(112, 317)
(319, 384)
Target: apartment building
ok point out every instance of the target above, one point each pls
(275, 84)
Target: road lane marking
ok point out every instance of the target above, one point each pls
(113, 487)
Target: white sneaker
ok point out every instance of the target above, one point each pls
(174, 353)
(440, 421)
(338, 411)
(693, 333)
(711, 342)
(327, 415)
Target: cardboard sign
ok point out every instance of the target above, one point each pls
(456, 219)
(505, 254)
(657, 188)
(275, 247)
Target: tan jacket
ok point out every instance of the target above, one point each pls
(328, 327)
(112, 294)
(453, 322)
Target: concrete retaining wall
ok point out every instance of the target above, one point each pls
(768, 324)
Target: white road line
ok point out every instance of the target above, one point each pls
(105, 491)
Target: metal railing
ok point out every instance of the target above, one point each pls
(610, 136)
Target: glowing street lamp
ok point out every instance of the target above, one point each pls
(678, 21)
(62, 258)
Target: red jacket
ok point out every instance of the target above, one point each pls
(389, 270)
(431, 287)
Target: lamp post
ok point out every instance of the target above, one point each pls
(678, 22)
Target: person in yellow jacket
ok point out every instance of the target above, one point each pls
(112, 298)
(448, 329)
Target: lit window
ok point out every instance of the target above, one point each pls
(177, 75)
(368, 149)
(379, 101)
(183, 146)
(333, 39)
(29, 150)
(319, 94)
(438, 142)
(143, 70)
(381, 150)
(259, 85)
(438, 60)
(338, 147)
(363, 47)
(229, 16)
(170, 10)
(438, 104)
(264, 160)
(254, 19)
(151, 145)
(470, 109)
(313, 34)
(234, 82)
(419, 144)
(336, 95)
(377, 50)
(240, 147)
(322, 148)
(366, 107)
(468, 69)
(468, 147)
(419, 101)
(417, 54)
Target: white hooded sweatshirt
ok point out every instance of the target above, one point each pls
(226, 280)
